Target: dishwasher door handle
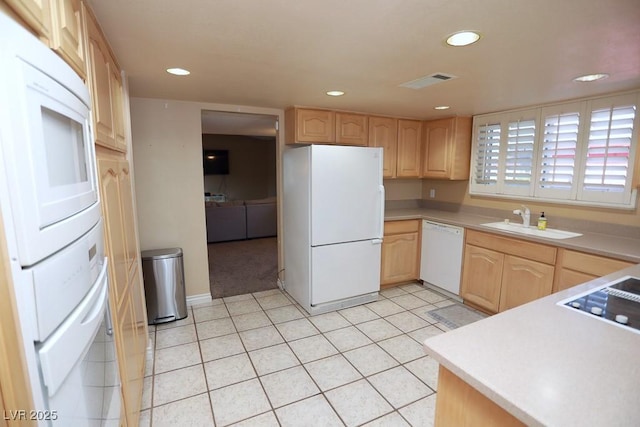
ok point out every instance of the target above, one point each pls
(442, 227)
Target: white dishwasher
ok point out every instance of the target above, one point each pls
(441, 256)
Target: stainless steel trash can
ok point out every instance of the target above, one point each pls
(163, 273)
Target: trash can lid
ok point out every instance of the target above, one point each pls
(162, 253)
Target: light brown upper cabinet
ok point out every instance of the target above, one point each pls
(106, 90)
(36, 14)
(408, 148)
(352, 129)
(383, 132)
(68, 34)
(59, 23)
(446, 148)
(307, 126)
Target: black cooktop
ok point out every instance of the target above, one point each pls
(617, 302)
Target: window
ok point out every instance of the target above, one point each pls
(488, 154)
(610, 146)
(518, 163)
(558, 152)
(579, 152)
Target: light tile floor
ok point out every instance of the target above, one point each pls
(260, 360)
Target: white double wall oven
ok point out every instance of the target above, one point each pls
(50, 208)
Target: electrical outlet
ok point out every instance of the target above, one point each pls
(432, 193)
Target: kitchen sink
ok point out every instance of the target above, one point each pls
(549, 233)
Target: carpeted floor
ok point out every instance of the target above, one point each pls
(243, 267)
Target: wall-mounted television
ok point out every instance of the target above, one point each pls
(216, 162)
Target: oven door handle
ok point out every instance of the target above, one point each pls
(68, 344)
(109, 322)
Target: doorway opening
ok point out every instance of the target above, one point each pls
(239, 152)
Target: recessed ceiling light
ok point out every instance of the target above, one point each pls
(441, 107)
(591, 77)
(178, 71)
(463, 38)
(335, 93)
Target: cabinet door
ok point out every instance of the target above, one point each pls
(135, 335)
(574, 268)
(400, 258)
(126, 207)
(383, 132)
(446, 149)
(68, 34)
(482, 277)
(523, 281)
(106, 90)
(408, 149)
(114, 226)
(312, 126)
(436, 150)
(36, 13)
(126, 341)
(125, 285)
(117, 107)
(101, 81)
(352, 129)
(566, 279)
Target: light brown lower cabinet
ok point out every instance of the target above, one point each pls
(481, 277)
(575, 267)
(524, 280)
(3, 422)
(126, 291)
(500, 273)
(15, 389)
(460, 405)
(400, 252)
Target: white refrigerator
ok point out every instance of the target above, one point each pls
(333, 213)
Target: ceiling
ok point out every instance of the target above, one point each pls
(280, 53)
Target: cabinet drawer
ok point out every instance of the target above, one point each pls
(591, 264)
(521, 248)
(405, 226)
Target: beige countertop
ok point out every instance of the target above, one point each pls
(549, 365)
(627, 249)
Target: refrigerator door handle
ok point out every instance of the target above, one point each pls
(376, 241)
(381, 201)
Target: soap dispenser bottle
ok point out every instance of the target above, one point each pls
(542, 222)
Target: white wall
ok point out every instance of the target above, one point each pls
(167, 152)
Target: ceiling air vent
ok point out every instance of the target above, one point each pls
(429, 80)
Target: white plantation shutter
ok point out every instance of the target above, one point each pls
(579, 152)
(487, 156)
(607, 172)
(518, 164)
(558, 151)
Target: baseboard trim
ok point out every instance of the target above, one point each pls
(199, 299)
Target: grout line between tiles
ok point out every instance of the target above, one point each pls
(297, 358)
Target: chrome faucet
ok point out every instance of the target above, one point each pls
(525, 213)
